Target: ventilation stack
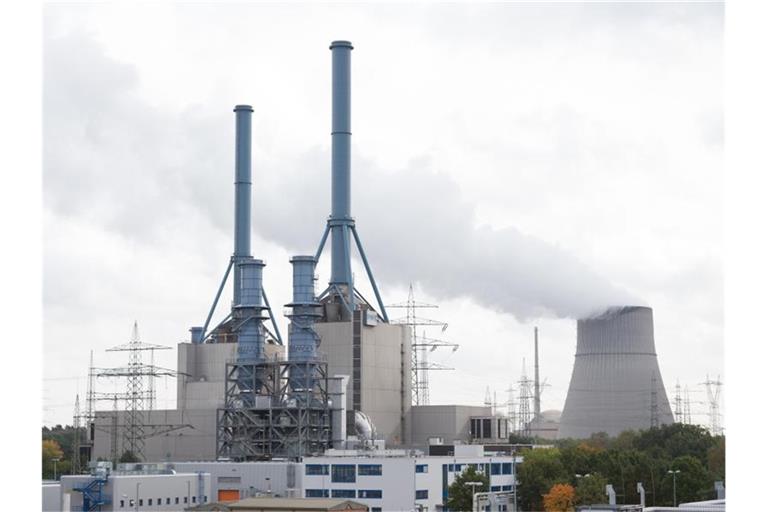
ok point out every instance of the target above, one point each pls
(616, 384)
(302, 338)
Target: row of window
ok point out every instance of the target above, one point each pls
(422, 468)
(498, 488)
(497, 468)
(344, 493)
(344, 473)
(159, 501)
(422, 494)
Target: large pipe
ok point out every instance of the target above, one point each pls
(341, 198)
(302, 338)
(242, 192)
(248, 313)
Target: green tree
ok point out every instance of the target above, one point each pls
(129, 456)
(590, 490)
(693, 482)
(51, 450)
(540, 470)
(460, 494)
(716, 459)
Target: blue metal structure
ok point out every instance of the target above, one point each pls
(302, 338)
(242, 193)
(242, 250)
(93, 494)
(341, 225)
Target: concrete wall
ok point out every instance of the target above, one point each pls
(202, 370)
(451, 422)
(615, 376)
(385, 372)
(51, 497)
(282, 479)
(194, 441)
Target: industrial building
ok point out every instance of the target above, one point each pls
(616, 384)
(327, 412)
(131, 487)
(382, 479)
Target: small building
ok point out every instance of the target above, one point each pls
(271, 504)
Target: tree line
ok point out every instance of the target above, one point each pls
(575, 472)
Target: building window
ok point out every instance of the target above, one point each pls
(369, 469)
(177, 500)
(316, 493)
(194, 499)
(375, 509)
(141, 502)
(506, 487)
(506, 468)
(495, 488)
(495, 468)
(122, 503)
(487, 428)
(149, 502)
(422, 494)
(422, 468)
(205, 499)
(316, 469)
(343, 473)
(185, 499)
(370, 494)
(167, 501)
(343, 493)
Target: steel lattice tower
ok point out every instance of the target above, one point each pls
(419, 345)
(678, 404)
(713, 394)
(76, 437)
(524, 404)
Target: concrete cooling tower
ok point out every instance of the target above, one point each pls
(616, 384)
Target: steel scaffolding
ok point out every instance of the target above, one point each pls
(264, 416)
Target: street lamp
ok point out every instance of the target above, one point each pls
(269, 486)
(474, 495)
(674, 485)
(54, 460)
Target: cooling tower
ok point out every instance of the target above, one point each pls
(616, 384)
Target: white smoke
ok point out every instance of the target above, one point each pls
(122, 163)
(416, 227)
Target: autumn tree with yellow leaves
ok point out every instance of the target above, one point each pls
(559, 498)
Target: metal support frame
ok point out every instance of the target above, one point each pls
(275, 334)
(370, 274)
(276, 421)
(216, 300)
(93, 494)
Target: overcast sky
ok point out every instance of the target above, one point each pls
(521, 164)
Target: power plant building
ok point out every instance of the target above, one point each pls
(616, 384)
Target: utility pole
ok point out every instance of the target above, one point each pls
(536, 388)
(76, 437)
(419, 364)
(678, 404)
(524, 411)
(687, 407)
(654, 404)
(713, 393)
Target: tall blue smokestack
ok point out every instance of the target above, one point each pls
(341, 135)
(242, 193)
